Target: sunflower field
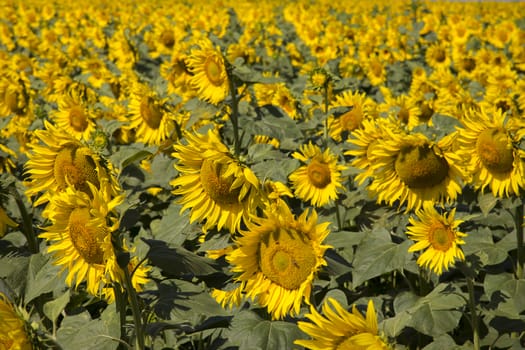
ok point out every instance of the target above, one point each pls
(309, 174)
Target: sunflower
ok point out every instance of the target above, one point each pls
(359, 106)
(363, 142)
(14, 334)
(209, 72)
(319, 180)
(74, 117)
(216, 187)
(63, 161)
(80, 235)
(489, 144)
(341, 330)
(438, 236)
(411, 169)
(149, 116)
(276, 261)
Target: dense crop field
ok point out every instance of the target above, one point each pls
(262, 175)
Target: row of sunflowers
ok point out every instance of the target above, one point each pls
(262, 175)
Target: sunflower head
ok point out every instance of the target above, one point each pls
(341, 329)
(14, 334)
(419, 164)
(319, 180)
(209, 78)
(489, 146)
(438, 237)
(276, 260)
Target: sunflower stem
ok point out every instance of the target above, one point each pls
(338, 216)
(519, 238)
(325, 101)
(120, 306)
(27, 222)
(134, 303)
(234, 116)
(473, 312)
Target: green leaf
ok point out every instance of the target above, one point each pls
(444, 341)
(41, 276)
(53, 308)
(481, 244)
(125, 156)
(510, 293)
(276, 170)
(437, 313)
(177, 261)
(375, 257)
(486, 202)
(173, 228)
(249, 331)
(13, 271)
(82, 332)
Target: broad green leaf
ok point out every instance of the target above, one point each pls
(53, 308)
(131, 154)
(13, 271)
(249, 331)
(438, 312)
(486, 202)
(42, 276)
(276, 170)
(507, 292)
(376, 257)
(444, 341)
(174, 228)
(82, 332)
(177, 261)
(481, 243)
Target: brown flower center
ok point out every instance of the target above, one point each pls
(78, 119)
(418, 166)
(84, 237)
(216, 185)
(15, 101)
(150, 112)
(441, 236)
(319, 173)
(167, 38)
(286, 258)
(213, 70)
(75, 166)
(351, 120)
(495, 150)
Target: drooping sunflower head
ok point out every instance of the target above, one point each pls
(489, 145)
(363, 143)
(209, 72)
(149, 117)
(80, 234)
(412, 169)
(14, 334)
(339, 329)
(60, 162)
(438, 237)
(358, 105)
(319, 179)
(277, 259)
(218, 189)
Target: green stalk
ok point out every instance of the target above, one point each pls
(325, 100)
(27, 222)
(338, 216)
(518, 218)
(137, 318)
(234, 117)
(473, 313)
(120, 305)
